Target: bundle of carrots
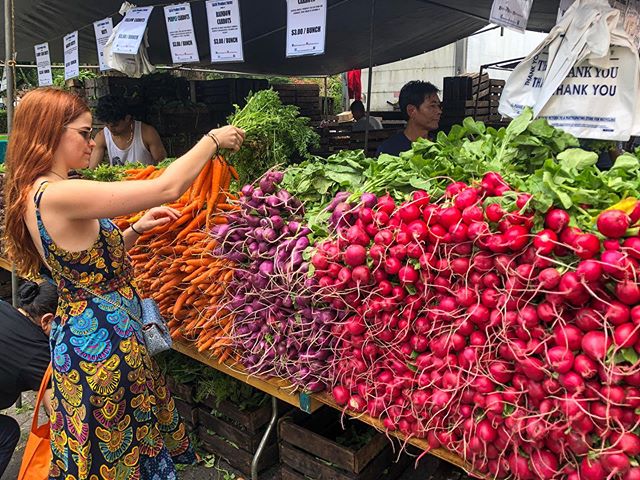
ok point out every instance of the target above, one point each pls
(175, 266)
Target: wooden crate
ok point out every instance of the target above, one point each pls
(236, 457)
(235, 434)
(307, 449)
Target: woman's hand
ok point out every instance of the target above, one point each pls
(230, 137)
(155, 217)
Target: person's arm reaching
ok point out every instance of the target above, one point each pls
(154, 217)
(109, 200)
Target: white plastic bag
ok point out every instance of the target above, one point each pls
(131, 65)
(583, 77)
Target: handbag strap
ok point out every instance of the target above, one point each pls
(43, 388)
(103, 298)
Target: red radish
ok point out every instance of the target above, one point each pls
(355, 255)
(449, 216)
(617, 313)
(632, 474)
(586, 245)
(549, 278)
(628, 292)
(632, 246)
(341, 395)
(545, 241)
(409, 212)
(466, 198)
(418, 230)
(472, 214)
(407, 274)
(361, 274)
(517, 237)
(611, 244)
(454, 189)
(560, 359)
(615, 462)
(628, 442)
(613, 223)
(592, 470)
(420, 198)
(357, 404)
(596, 344)
(494, 212)
(386, 204)
(556, 220)
(589, 271)
(626, 335)
(568, 336)
(588, 319)
(523, 199)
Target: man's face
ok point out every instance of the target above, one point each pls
(121, 126)
(427, 116)
(357, 114)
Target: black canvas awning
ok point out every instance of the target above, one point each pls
(402, 29)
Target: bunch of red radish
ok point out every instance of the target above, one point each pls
(515, 348)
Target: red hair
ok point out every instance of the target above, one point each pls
(38, 124)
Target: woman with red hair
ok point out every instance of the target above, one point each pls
(112, 414)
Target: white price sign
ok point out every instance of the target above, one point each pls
(306, 27)
(71, 63)
(225, 32)
(43, 61)
(513, 14)
(131, 32)
(182, 38)
(103, 30)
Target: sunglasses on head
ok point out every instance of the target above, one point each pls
(86, 134)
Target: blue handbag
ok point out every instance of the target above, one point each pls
(154, 327)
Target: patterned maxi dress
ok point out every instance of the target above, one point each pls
(112, 417)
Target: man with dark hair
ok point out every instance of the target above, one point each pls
(125, 139)
(360, 118)
(24, 354)
(421, 108)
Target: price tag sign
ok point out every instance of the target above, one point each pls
(182, 38)
(71, 63)
(513, 14)
(43, 61)
(225, 32)
(131, 32)
(306, 27)
(103, 30)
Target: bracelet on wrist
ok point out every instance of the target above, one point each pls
(213, 137)
(134, 230)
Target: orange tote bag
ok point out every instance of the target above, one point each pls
(37, 452)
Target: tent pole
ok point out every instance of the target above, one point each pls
(9, 66)
(369, 78)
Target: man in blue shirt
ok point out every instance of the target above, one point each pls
(421, 107)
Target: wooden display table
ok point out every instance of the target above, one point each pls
(282, 390)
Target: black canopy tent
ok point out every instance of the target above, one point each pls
(403, 28)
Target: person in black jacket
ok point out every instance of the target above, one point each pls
(24, 354)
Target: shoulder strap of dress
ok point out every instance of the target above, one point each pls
(38, 196)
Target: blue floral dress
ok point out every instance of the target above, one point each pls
(112, 417)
